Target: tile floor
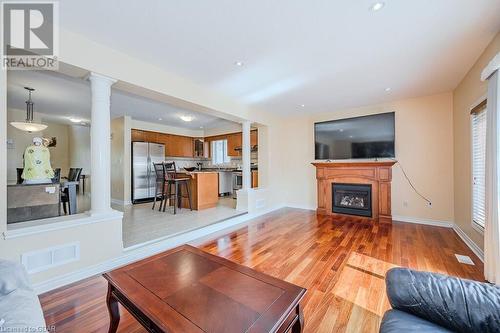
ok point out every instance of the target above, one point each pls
(141, 224)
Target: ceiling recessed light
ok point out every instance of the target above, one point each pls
(388, 89)
(75, 120)
(239, 63)
(302, 105)
(187, 118)
(377, 6)
(160, 119)
(201, 126)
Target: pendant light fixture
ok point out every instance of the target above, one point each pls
(28, 125)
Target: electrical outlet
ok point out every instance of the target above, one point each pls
(405, 203)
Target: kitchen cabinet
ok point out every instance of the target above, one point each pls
(203, 187)
(254, 138)
(234, 144)
(137, 135)
(206, 149)
(150, 136)
(179, 146)
(184, 146)
(255, 178)
(199, 147)
(163, 139)
(143, 136)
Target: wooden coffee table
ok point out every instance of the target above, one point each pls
(188, 290)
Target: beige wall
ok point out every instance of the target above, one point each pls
(99, 241)
(469, 92)
(424, 140)
(117, 159)
(79, 148)
(20, 140)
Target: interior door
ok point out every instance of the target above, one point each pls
(140, 176)
(156, 155)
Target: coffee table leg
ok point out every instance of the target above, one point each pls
(114, 313)
(299, 324)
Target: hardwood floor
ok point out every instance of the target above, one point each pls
(341, 262)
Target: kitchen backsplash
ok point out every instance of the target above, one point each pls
(181, 162)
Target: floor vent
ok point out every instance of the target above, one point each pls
(464, 259)
(41, 260)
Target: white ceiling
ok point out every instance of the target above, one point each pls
(59, 97)
(325, 54)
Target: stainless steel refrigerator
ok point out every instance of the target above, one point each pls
(144, 154)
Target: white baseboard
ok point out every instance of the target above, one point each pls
(121, 202)
(307, 207)
(469, 242)
(447, 224)
(417, 220)
(136, 253)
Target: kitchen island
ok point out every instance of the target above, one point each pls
(204, 189)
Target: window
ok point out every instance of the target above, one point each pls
(219, 152)
(478, 119)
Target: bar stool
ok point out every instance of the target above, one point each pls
(176, 182)
(159, 184)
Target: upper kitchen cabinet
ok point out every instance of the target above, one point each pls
(198, 146)
(143, 136)
(253, 138)
(163, 139)
(179, 146)
(137, 135)
(234, 144)
(150, 136)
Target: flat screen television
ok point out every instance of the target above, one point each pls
(361, 137)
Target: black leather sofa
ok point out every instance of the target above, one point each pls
(428, 302)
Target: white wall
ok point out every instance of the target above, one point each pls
(147, 126)
(228, 128)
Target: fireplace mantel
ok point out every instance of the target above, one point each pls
(376, 173)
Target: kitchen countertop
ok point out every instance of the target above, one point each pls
(213, 170)
(196, 171)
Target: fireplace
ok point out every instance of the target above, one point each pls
(352, 199)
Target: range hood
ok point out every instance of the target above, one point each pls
(252, 149)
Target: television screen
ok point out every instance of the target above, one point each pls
(360, 137)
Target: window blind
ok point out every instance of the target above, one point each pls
(479, 167)
(219, 152)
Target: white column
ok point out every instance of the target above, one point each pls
(246, 171)
(100, 143)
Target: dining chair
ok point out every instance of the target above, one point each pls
(19, 175)
(73, 176)
(159, 184)
(57, 176)
(175, 182)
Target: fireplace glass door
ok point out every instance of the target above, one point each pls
(352, 199)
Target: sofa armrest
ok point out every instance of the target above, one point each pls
(457, 304)
(12, 276)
